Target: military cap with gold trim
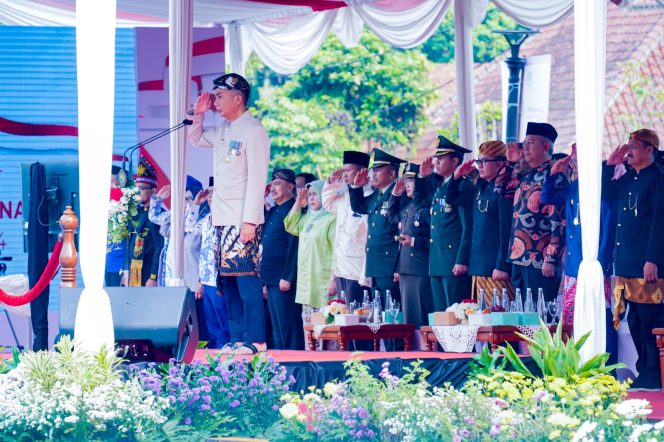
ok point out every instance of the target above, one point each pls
(381, 158)
(446, 147)
(411, 170)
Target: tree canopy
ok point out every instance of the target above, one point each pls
(346, 98)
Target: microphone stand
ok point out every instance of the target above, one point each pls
(131, 149)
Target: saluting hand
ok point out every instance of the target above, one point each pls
(399, 187)
(201, 196)
(426, 168)
(335, 177)
(617, 155)
(514, 152)
(560, 166)
(362, 178)
(464, 169)
(164, 192)
(204, 103)
(302, 198)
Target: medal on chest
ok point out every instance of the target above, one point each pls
(417, 220)
(383, 208)
(233, 150)
(309, 227)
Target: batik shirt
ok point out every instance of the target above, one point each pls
(537, 229)
(207, 265)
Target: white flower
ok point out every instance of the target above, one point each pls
(584, 430)
(71, 419)
(330, 388)
(633, 408)
(289, 410)
(562, 420)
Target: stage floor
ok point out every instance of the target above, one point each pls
(328, 356)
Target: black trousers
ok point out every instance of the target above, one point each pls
(112, 279)
(352, 288)
(416, 299)
(447, 290)
(286, 318)
(642, 318)
(528, 277)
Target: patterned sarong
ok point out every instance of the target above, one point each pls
(235, 257)
(488, 284)
(635, 290)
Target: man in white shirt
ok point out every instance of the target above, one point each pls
(351, 230)
(241, 153)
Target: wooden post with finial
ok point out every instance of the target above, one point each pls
(68, 255)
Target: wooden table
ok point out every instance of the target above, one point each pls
(493, 334)
(345, 333)
(659, 339)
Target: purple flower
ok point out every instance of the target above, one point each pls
(187, 421)
(234, 404)
(495, 430)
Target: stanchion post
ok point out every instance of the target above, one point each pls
(68, 255)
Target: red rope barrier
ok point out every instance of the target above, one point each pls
(44, 280)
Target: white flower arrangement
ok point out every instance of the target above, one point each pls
(461, 310)
(70, 395)
(123, 207)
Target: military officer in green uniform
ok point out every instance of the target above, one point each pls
(382, 247)
(492, 221)
(413, 219)
(451, 224)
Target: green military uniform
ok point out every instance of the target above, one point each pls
(451, 226)
(413, 219)
(382, 248)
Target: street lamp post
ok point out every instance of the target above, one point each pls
(515, 65)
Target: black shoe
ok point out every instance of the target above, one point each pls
(641, 384)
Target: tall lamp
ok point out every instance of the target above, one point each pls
(515, 65)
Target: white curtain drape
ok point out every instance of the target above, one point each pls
(463, 56)
(536, 13)
(287, 44)
(589, 72)
(180, 39)
(95, 66)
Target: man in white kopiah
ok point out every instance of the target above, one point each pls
(241, 152)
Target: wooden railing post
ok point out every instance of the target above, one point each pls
(68, 255)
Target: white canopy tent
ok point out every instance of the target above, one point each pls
(285, 34)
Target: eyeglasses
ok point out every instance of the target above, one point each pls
(145, 188)
(484, 161)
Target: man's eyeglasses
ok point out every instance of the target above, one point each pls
(144, 188)
(485, 161)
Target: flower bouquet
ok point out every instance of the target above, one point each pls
(462, 309)
(123, 207)
(334, 307)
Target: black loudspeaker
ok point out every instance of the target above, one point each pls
(151, 323)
